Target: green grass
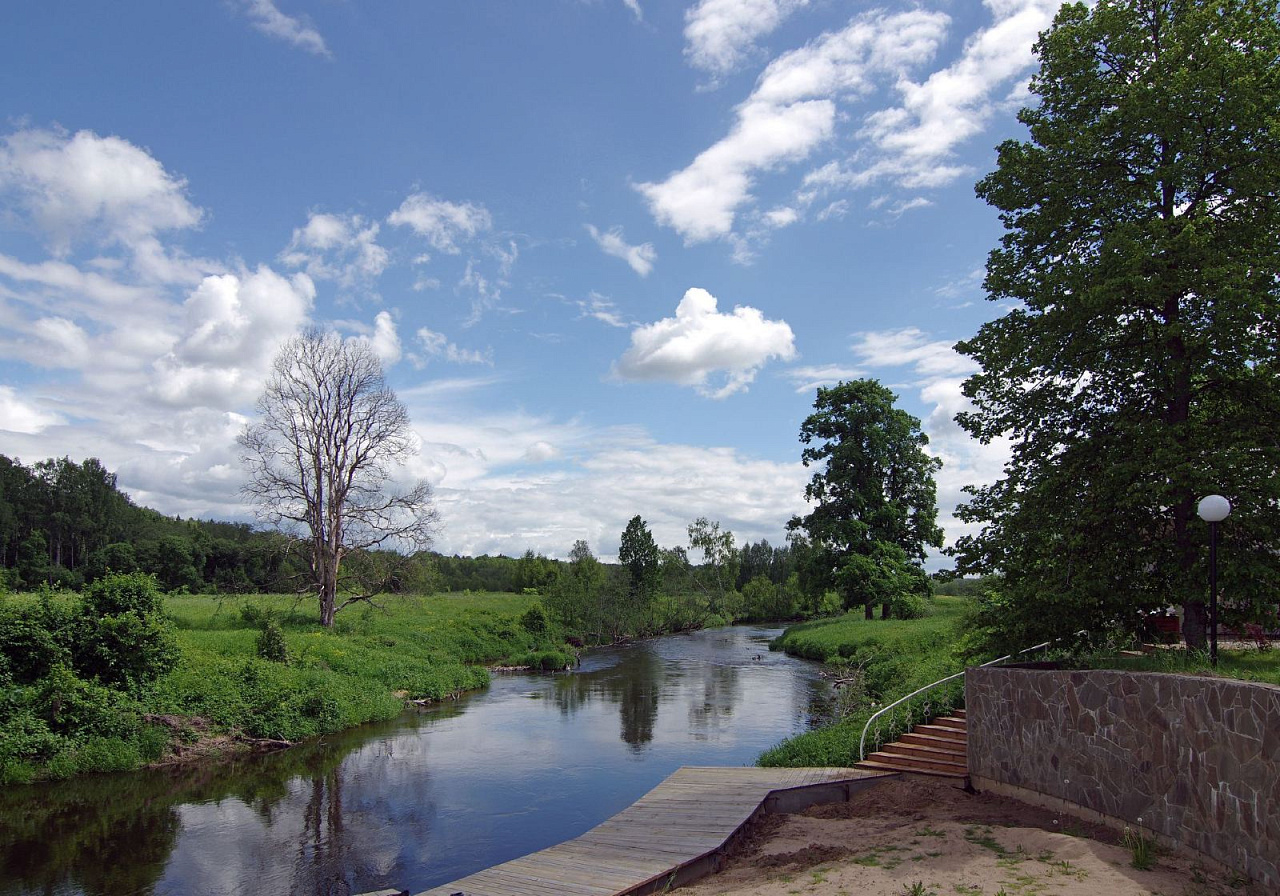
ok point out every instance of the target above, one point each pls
(896, 656)
(364, 669)
(1246, 665)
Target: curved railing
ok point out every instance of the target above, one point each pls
(862, 741)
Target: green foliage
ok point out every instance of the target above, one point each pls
(271, 644)
(1137, 368)
(873, 495)
(764, 601)
(121, 638)
(535, 621)
(909, 606)
(888, 658)
(718, 573)
(639, 554)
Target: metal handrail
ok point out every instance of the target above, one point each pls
(862, 741)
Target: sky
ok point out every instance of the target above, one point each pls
(606, 250)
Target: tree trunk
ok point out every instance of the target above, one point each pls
(1195, 624)
(870, 609)
(886, 610)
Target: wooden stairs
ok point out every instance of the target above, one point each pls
(938, 748)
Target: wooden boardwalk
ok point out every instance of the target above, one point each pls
(674, 834)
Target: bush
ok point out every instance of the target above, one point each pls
(534, 620)
(31, 642)
(128, 650)
(271, 643)
(117, 593)
(909, 606)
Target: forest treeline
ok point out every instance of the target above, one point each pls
(66, 524)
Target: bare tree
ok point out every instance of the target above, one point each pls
(320, 461)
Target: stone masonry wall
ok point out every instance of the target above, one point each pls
(1196, 760)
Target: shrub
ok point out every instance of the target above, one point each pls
(29, 645)
(127, 650)
(117, 593)
(909, 606)
(534, 620)
(271, 643)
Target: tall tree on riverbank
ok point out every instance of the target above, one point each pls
(1137, 370)
(321, 458)
(874, 498)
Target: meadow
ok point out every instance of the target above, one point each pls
(254, 668)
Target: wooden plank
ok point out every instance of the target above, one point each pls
(681, 822)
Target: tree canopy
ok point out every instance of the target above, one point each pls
(321, 458)
(1136, 369)
(874, 498)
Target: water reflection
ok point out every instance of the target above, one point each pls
(422, 800)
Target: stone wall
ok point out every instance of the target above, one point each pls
(1196, 760)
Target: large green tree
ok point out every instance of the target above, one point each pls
(1137, 368)
(639, 553)
(874, 498)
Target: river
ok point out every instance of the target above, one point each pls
(423, 799)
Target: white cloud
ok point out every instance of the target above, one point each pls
(602, 309)
(910, 346)
(634, 6)
(938, 371)
(441, 222)
(343, 248)
(700, 341)
(437, 345)
(792, 111)
(235, 324)
(82, 186)
(541, 452)
(266, 17)
(782, 216)
(807, 379)
(912, 144)
(721, 34)
(382, 338)
(509, 482)
(640, 258)
(17, 415)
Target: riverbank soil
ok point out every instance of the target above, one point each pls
(919, 836)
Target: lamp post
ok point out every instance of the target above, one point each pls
(1213, 509)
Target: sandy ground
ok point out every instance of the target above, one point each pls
(919, 836)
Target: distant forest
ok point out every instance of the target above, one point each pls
(65, 524)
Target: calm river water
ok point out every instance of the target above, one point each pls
(426, 798)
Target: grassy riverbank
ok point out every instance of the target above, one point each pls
(877, 660)
(222, 691)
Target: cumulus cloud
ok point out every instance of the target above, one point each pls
(441, 222)
(343, 248)
(791, 112)
(720, 35)
(381, 338)
(437, 345)
(17, 415)
(510, 481)
(266, 17)
(700, 342)
(640, 258)
(235, 324)
(73, 187)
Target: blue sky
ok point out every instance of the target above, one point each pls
(606, 250)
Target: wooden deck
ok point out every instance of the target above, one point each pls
(674, 834)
